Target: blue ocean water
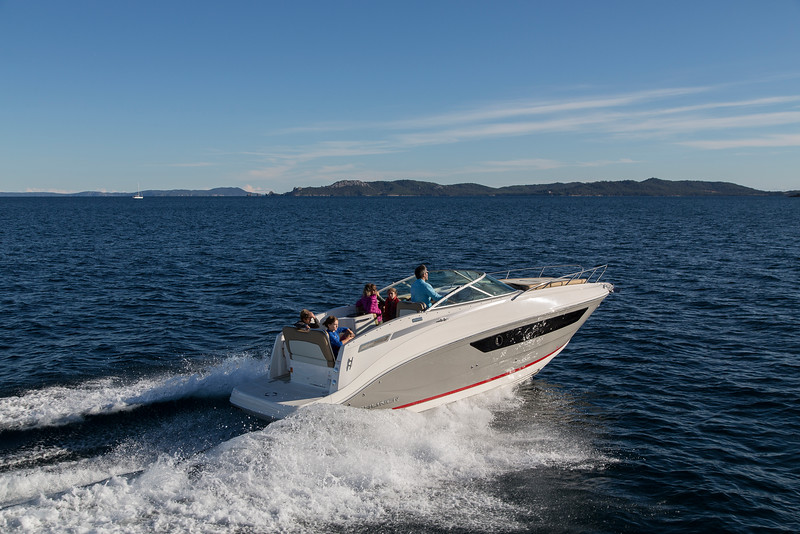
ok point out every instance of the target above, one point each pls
(124, 325)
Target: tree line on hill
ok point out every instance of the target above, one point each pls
(649, 187)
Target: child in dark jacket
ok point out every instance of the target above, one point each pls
(390, 304)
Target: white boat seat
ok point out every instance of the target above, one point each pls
(309, 346)
(358, 324)
(405, 307)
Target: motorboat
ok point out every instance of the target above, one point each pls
(487, 330)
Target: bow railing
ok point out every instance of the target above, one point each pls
(549, 276)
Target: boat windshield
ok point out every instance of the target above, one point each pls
(457, 287)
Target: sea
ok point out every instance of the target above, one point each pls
(125, 324)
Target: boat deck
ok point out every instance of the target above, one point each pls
(276, 397)
(540, 283)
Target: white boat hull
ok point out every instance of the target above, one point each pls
(421, 361)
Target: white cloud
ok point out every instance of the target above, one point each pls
(605, 163)
(535, 163)
(506, 110)
(693, 124)
(507, 129)
(582, 116)
(538, 164)
(337, 168)
(719, 105)
(657, 116)
(269, 173)
(328, 149)
(770, 141)
(198, 164)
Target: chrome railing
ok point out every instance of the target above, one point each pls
(586, 276)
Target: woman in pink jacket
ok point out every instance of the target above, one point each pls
(368, 303)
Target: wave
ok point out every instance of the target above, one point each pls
(326, 467)
(59, 405)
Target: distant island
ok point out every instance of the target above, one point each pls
(216, 192)
(653, 187)
(649, 187)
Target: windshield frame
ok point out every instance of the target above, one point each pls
(452, 282)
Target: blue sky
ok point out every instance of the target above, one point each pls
(106, 95)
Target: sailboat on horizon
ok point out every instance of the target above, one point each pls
(138, 194)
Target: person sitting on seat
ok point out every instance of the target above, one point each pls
(307, 321)
(338, 336)
(368, 303)
(421, 290)
(390, 304)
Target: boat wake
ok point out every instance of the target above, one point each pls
(327, 467)
(58, 405)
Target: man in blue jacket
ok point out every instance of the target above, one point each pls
(421, 290)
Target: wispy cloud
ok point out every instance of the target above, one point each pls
(771, 141)
(502, 129)
(514, 110)
(534, 163)
(733, 104)
(697, 124)
(327, 149)
(580, 115)
(676, 116)
(270, 173)
(518, 110)
(543, 164)
(198, 164)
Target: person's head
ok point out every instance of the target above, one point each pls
(370, 289)
(392, 292)
(306, 316)
(331, 322)
(421, 271)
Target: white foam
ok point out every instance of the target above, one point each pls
(324, 466)
(25, 484)
(56, 405)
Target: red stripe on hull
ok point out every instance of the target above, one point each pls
(479, 383)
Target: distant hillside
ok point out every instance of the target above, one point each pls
(216, 192)
(403, 188)
(649, 187)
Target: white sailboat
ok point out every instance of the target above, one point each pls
(138, 194)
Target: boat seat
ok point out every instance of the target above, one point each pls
(358, 324)
(405, 307)
(309, 346)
